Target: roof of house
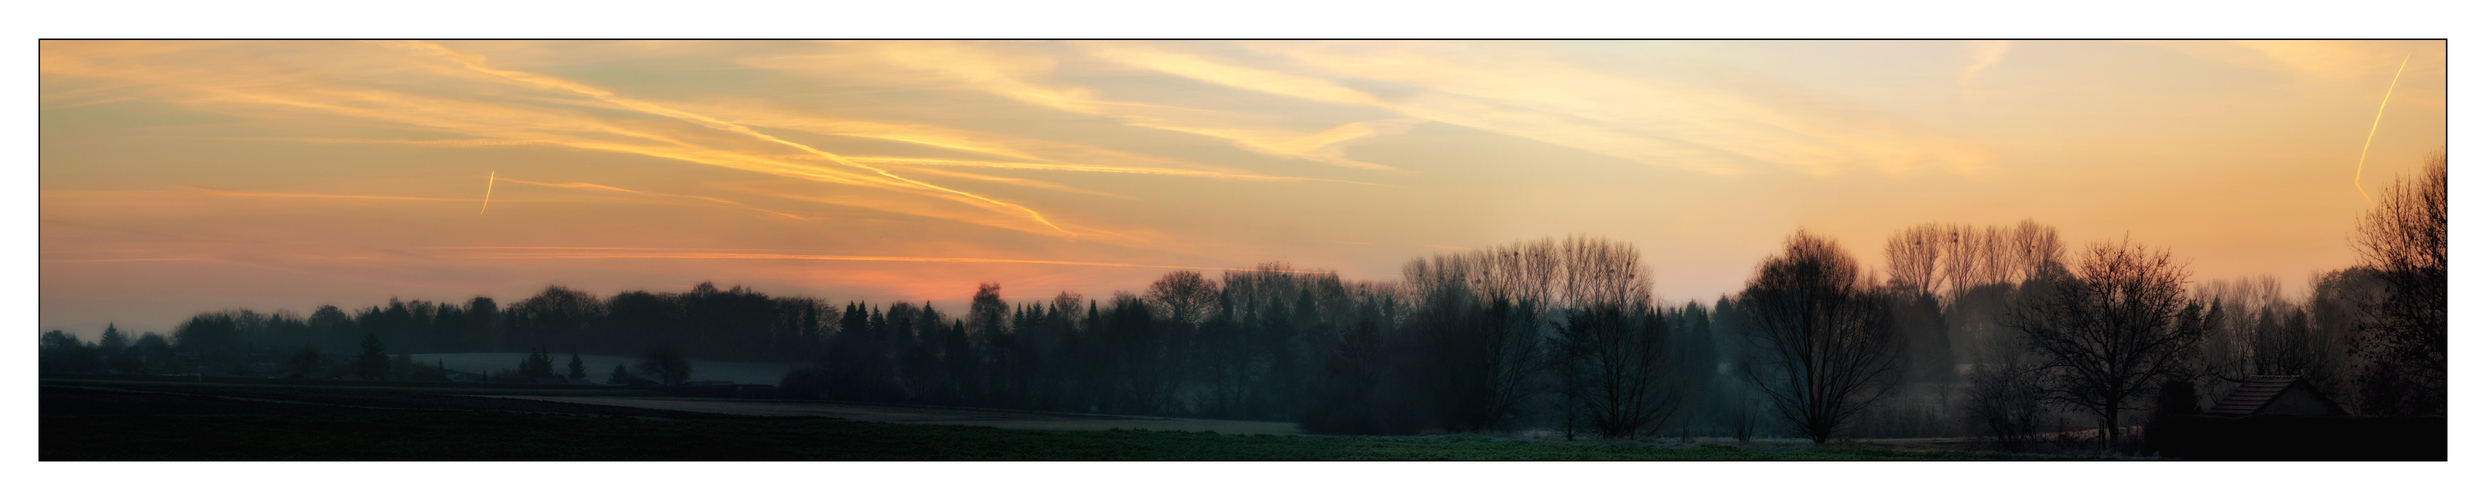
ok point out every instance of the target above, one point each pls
(2253, 395)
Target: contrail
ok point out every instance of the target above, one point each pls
(2369, 133)
(474, 63)
(487, 190)
(865, 258)
(601, 187)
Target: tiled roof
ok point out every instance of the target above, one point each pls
(2253, 395)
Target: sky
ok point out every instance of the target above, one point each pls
(178, 177)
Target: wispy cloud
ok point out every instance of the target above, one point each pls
(474, 62)
(1019, 182)
(196, 75)
(1026, 77)
(662, 253)
(1100, 168)
(1986, 55)
(709, 200)
(1744, 125)
(265, 194)
(2321, 59)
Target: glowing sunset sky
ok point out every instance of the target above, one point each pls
(180, 177)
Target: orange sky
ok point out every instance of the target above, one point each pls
(179, 177)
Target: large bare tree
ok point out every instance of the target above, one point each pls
(1184, 296)
(2110, 330)
(1616, 370)
(1948, 260)
(2406, 237)
(1822, 343)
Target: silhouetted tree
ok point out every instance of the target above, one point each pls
(1950, 259)
(1480, 332)
(1927, 336)
(2112, 329)
(556, 316)
(484, 325)
(1823, 347)
(1614, 367)
(578, 368)
(536, 366)
(305, 362)
(61, 352)
(2338, 316)
(621, 376)
(2405, 237)
(373, 363)
(2004, 397)
(1184, 297)
(113, 348)
(154, 352)
(667, 364)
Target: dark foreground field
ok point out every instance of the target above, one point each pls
(125, 422)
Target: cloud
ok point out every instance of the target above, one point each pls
(230, 78)
(1327, 146)
(662, 253)
(1019, 182)
(95, 261)
(1026, 77)
(1100, 168)
(1987, 54)
(710, 201)
(475, 62)
(2319, 59)
(264, 194)
(1715, 118)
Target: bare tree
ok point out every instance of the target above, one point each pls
(1185, 297)
(1484, 348)
(1614, 347)
(987, 315)
(1617, 379)
(1823, 345)
(1485, 313)
(666, 364)
(2338, 314)
(2230, 335)
(2406, 238)
(2003, 394)
(1915, 257)
(1597, 272)
(1948, 260)
(2035, 249)
(2111, 330)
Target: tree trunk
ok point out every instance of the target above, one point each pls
(2110, 429)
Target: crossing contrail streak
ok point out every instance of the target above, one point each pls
(475, 63)
(2369, 133)
(786, 256)
(487, 190)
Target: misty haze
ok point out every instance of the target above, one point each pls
(1244, 250)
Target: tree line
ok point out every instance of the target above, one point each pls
(1993, 331)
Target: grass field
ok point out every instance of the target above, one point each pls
(598, 366)
(509, 436)
(86, 421)
(468, 389)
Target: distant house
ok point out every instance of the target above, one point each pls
(2276, 395)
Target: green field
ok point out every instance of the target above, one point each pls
(103, 420)
(510, 436)
(373, 388)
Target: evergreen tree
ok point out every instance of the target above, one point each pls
(373, 365)
(578, 369)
